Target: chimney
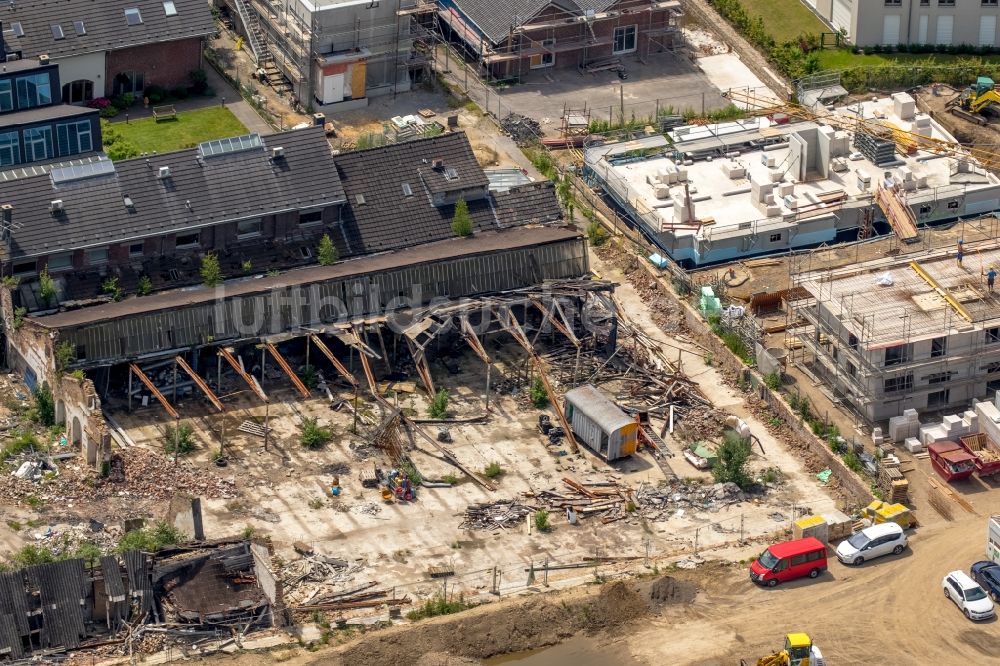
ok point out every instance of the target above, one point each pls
(277, 152)
(164, 172)
(437, 164)
(55, 205)
(6, 221)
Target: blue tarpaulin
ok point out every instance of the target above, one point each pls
(658, 261)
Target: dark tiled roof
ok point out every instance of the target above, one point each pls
(197, 193)
(496, 18)
(54, 112)
(389, 218)
(104, 23)
(534, 203)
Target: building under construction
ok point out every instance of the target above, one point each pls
(509, 40)
(715, 193)
(920, 331)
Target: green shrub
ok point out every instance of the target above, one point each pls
(734, 456)
(539, 396)
(438, 408)
(108, 112)
(180, 92)
(46, 286)
(145, 286)
(309, 376)
(155, 94)
(596, 233)
(65, 355)
(179, 440)
(438, 606)
(21, 441)
(199, 81)
(312, 435)
(122, 150)
(45, 406)
(151, 539)
(111, 287)
(773, 380)
(327, 251)
(461, 222)
(493, 470)
(541, 519)
(211, 272)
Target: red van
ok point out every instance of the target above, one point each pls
(789, 560)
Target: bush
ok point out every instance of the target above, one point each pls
(65, 355)
(21, 441)
(539, 396)
(122, 150)
(596, 233)
(109, 112)
(541, 519)
(112, 287)
(199, 81)
(773, 380)
(461, 223)
(309, 376)
(493, 470)
(155, 94)
(145, 286)
(46, 286)
(99, 103)
(123, 102)
(180, 92)
(179, 440)
(438, 606)
(438, 408)
(327, 251)
(312, 435)
(734, 456)
(211, 273)
(151, 539)
(45, 406)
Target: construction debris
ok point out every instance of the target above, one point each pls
(522, 129)
(502, 514)
(660, 503)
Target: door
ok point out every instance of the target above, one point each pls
(333, 88)
(922, 30)
(841, 16)
(890, 29)
(955, 592)
(546, 59)
(945, 25)
(987, 30)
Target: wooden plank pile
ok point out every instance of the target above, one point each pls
(503, 514)
(607, 500)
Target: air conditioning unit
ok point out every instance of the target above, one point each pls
(55, 205)
(164, 172)
(277, 152)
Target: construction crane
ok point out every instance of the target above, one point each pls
(799, 651)
(975, 101)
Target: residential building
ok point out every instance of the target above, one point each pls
(334, 54)
(34, 125)
(109, 47)
(911, 332)
(511, 39)
(891, 22)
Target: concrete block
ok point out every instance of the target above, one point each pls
(877, 438)
(933, 433)
(910, 414)
(951, 421)
(913, 445)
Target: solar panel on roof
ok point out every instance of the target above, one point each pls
(17, 29)
(235, 144)
(76, 172)
(80, 27)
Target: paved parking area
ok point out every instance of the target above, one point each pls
(667, 80)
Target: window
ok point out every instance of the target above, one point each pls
(939, 377)
(79, 28)
(989, 3)
(953, 204)
(775, 238)
(132, 16)
(852, 341)
(58, 262)
(169, 8)
(925, 209)
(852, 369)
(248, 229)
(75, 138)
(546, 58)
(188, 240)
(97, 256)
(314, 217)
(17, 29)
(129, 82)
(938, 399)
(6, 95)
(9, 152)
(624, 39)
(893, 3)
(57, 31)
(993, 335)
(903, 383)
(37, 144)
(135, 250)
(34, 90)
(939, 347)
(799, 559)
(78, 91)
(946, 3)
(24, 268)
(897, 355)
(407, 190)
(991, 368)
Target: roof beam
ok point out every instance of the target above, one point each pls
(338, 366)
(944, 293)
(137, 371)
(470, 337)
(252, 382)
(302, 388)
(366, 366)
(200, 383)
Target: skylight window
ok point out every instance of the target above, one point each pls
(132, 16)
(17, 29)
(57, 31)
(169, 8)
(79, 28)
(407, 190)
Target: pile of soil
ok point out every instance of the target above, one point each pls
(617, 604)
(669, 591)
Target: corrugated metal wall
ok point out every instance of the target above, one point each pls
(284, 309)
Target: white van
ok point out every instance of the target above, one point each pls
(872, 542)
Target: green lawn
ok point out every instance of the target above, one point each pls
(833, 59)
(188, 129)
(784, 19)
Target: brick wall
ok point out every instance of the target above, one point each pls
(167, 64)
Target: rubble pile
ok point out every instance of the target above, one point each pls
(492, 515)
(607, 500)
(316, 577)
(149, 474)
(660, 503)
(524, 130)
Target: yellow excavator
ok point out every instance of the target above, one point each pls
(799, 651)
(976, 101)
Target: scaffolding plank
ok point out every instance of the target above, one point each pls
(200, 383)
(137, 371)
(302, 388)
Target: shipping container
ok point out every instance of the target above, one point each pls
(600, 424)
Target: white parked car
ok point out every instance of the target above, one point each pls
(872, 542)
(968, 596)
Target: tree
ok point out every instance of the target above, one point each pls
(65, 354)
(46, 286)
(461, 223)
(734, 455)
(211, 273)
(145, 286)
(45, 405)
(539, 396)
(327, 252)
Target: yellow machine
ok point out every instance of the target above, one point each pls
(799, 651)
(977, 100)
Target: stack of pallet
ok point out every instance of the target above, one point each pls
(893, 484)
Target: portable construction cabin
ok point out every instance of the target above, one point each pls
(599, 424)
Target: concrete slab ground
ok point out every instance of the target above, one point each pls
(726, 71)
(666, 81)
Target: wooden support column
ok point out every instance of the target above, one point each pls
(283, 364)
(200, 383)
(141, 376)
(251, 381)
(338, 366)
(479, 350)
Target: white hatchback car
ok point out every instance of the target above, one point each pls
(872, 542)
(968, 596)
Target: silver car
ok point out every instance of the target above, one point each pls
(872, 542)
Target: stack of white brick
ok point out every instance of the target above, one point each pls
(989, 419)
(952, 427)
(901, 427)
(913, 445)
